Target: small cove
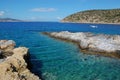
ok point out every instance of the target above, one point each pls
(71, 62)
(58, 60)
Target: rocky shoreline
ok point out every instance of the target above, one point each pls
(13, 62)
(98, 44)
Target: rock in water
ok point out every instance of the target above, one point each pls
(106, 45)
(14, 67)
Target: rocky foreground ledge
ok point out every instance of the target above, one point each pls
(100, 44)
(13, 65)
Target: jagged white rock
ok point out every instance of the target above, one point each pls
(100, 43)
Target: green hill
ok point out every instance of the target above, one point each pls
(95, 16)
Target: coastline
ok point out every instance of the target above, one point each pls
(84, 47)
(89, 23)
(58, 22)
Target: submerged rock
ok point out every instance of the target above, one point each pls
(107, 45)
(15, 67)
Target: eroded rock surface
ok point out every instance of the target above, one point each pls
(6, 47)
(14, 67)
(107, 45)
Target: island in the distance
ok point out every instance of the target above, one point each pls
(10, 20)
(106, 16)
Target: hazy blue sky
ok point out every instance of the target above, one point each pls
(50, 10)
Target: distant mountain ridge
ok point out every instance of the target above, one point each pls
(9, 20)
(95, 16)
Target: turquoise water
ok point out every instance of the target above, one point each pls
(58, 60)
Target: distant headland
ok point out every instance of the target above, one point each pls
(14, 62)
(106, 16)
(10, 20)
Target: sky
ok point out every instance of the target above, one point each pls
(50, 10)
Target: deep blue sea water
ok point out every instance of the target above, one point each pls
(58, 60)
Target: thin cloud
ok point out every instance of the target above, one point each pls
(2, 13)
(59, 18)
(37, 19)
(43, 10)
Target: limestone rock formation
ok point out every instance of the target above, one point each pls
(14, 67)
(6, 47)
(107, 45)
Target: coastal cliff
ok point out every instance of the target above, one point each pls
(13, 62)
(99, 44)
(95, 16)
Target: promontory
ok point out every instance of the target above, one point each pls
(98, 44)
(10, 20)
(111, 16)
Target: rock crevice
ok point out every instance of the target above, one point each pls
(14, 66)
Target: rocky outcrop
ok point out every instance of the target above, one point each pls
(9, 20)
(106, 45)
(6, 47)
(14, 66)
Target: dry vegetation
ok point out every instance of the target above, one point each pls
(95, 16)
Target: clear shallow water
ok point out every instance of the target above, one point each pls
(59, 60)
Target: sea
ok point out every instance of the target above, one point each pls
(53, 59)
